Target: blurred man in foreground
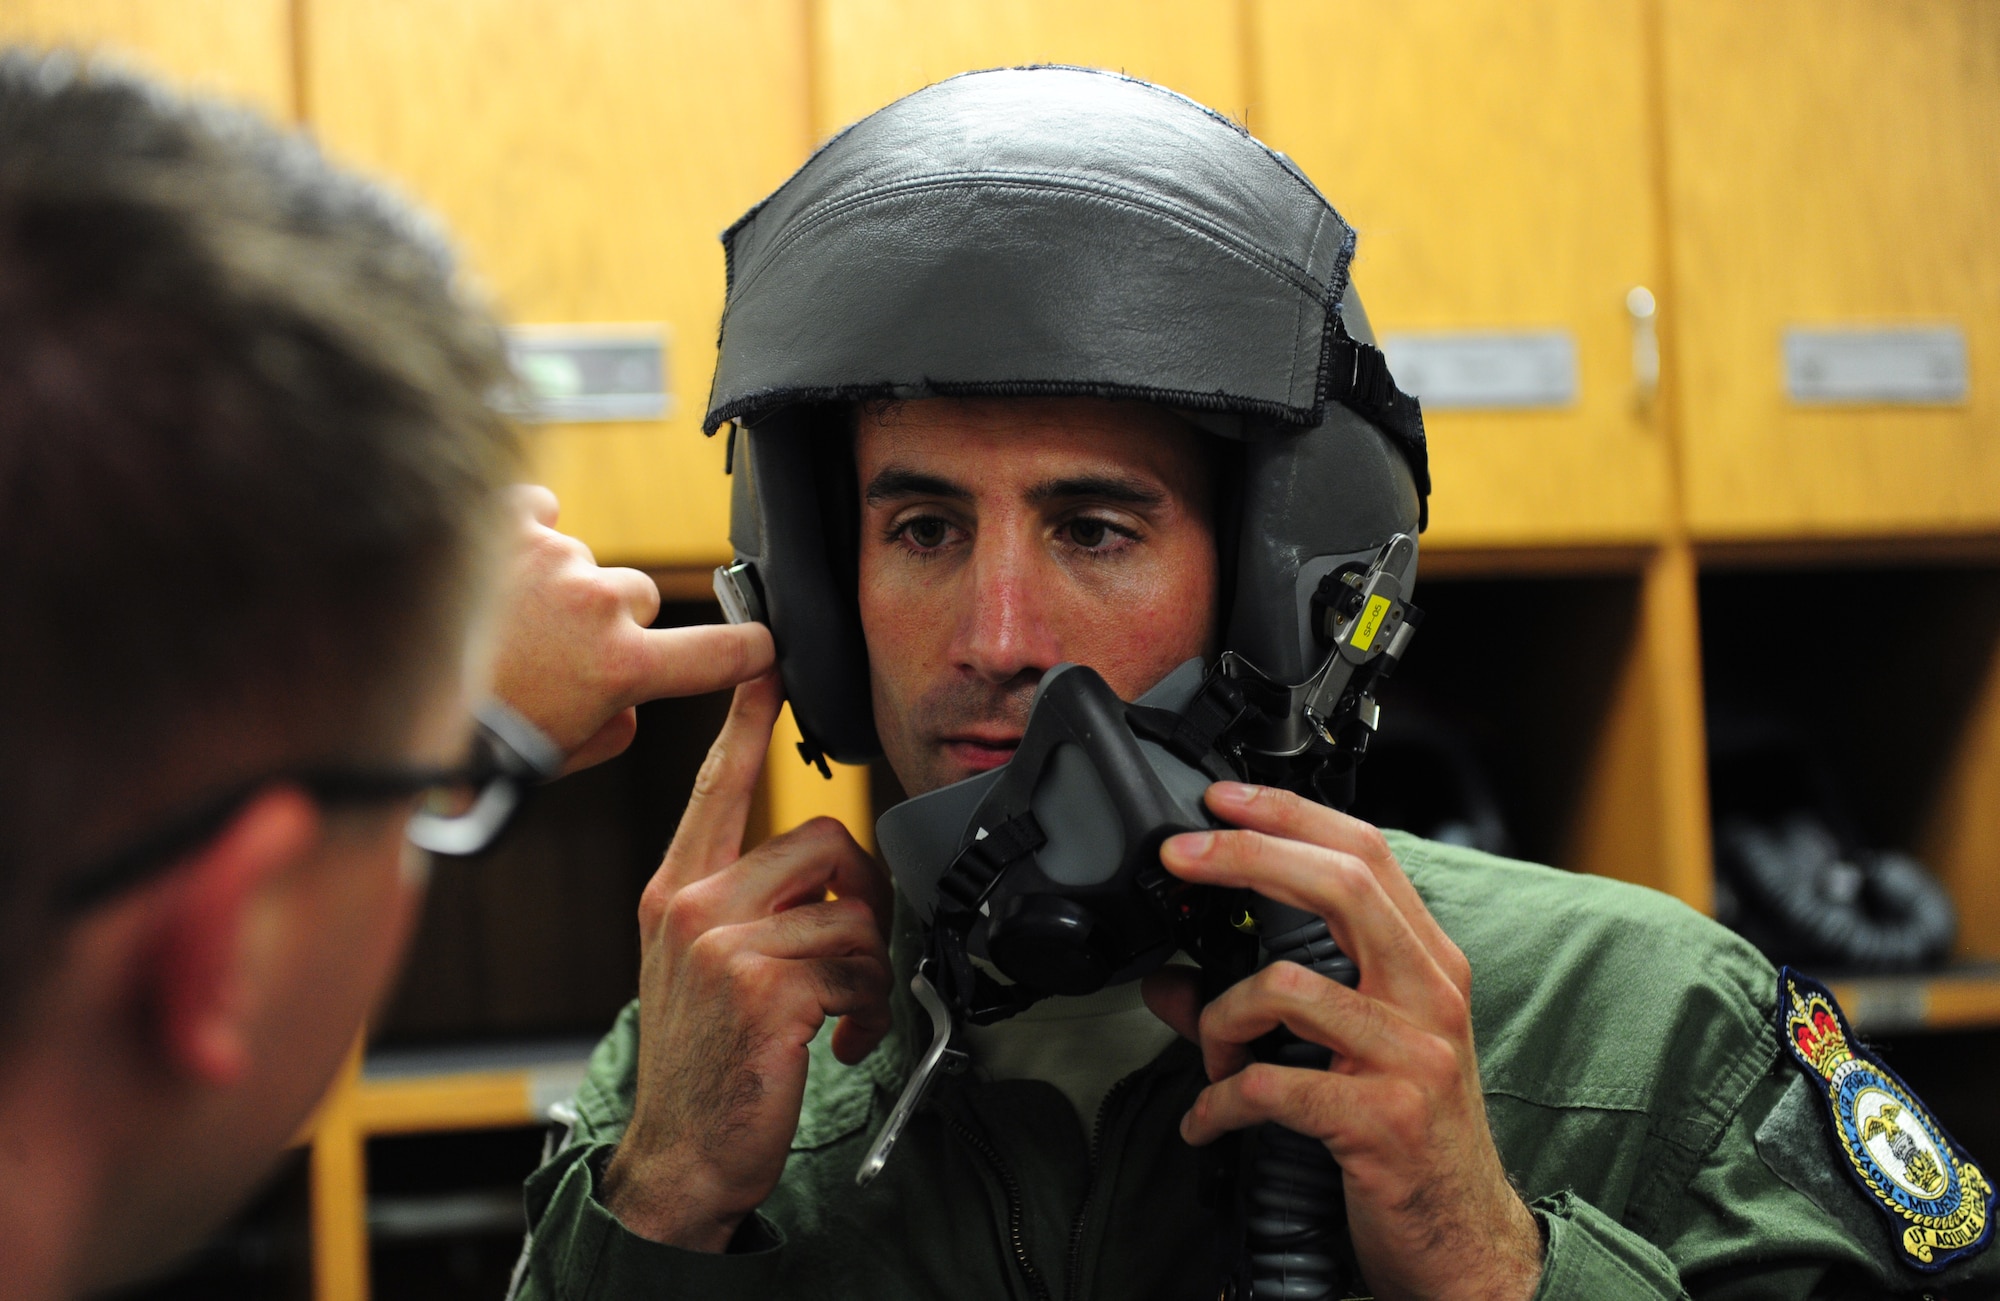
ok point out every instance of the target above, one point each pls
(259, 563)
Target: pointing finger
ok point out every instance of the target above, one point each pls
(706, 657)
(710, 836)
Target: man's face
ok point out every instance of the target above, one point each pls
(1001, 537)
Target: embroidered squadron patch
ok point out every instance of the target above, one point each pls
(1935, 1197)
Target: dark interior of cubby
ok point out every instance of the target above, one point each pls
(262, 1254)
(537, 937)
(1875, 670)
(445, 1212)
(1522, 669)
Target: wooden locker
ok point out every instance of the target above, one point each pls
(869, 52)
(1832, 164)
(587, 155)
(1495, 159)
(240, 49)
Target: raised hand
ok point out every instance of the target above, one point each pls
(575, 655)
(744, 958)
(1429, 1206)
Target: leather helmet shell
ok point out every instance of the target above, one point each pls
(1052, 231)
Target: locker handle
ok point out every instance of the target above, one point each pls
(1641, 306)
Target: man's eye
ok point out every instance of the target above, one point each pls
(1090, 534)
(926, 532)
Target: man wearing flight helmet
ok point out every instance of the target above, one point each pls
(1046, 367)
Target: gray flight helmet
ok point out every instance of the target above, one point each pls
(1052, 231)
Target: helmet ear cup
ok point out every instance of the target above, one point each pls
(801, 465)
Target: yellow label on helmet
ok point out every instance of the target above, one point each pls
(1370, 623)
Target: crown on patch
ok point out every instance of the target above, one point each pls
(1816, 1032)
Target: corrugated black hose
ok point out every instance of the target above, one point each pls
(1294, 1206)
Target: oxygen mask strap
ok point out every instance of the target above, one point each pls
(1203, 734)
(966, 989)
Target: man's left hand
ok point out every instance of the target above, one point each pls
(1429, 1207)
(576, 655)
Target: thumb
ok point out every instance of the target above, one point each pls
(710, 836)
(1174, 994)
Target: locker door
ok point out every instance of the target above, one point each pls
(1835, 164)
(241, 49)
(587, 154)
(869, 52)
(1495, 159)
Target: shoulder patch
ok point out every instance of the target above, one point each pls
(1938, 1202)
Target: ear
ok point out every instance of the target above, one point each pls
(202, 962)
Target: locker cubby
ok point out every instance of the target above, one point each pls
(537, 937)
(445, 1216)
(1890, 675)
(1528, 671)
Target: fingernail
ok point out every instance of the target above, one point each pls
(1190, 846)
(1232, 792)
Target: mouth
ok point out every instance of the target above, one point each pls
(980, 752)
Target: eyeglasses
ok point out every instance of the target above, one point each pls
(459, 810)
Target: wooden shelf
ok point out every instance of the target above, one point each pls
(1935, 549)
(485, 1086)
(1965, 998)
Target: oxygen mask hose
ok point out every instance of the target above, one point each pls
(1293, 1200)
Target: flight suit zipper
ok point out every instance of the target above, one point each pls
(1073, 1266)
(1011, 1189)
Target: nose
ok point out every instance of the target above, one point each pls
(1007, 631)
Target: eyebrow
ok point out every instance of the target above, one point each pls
(1129, 490)
(896, 483)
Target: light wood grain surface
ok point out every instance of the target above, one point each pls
(239, 49)
(869, 52)
(1832, 162)
(1489, 197)
(588, 154)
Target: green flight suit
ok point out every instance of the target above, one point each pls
(1637, 1086)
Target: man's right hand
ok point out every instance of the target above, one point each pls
(744, 957)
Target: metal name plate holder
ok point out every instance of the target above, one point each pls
(579, 373)
(1876, 365)
(1489, 370)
